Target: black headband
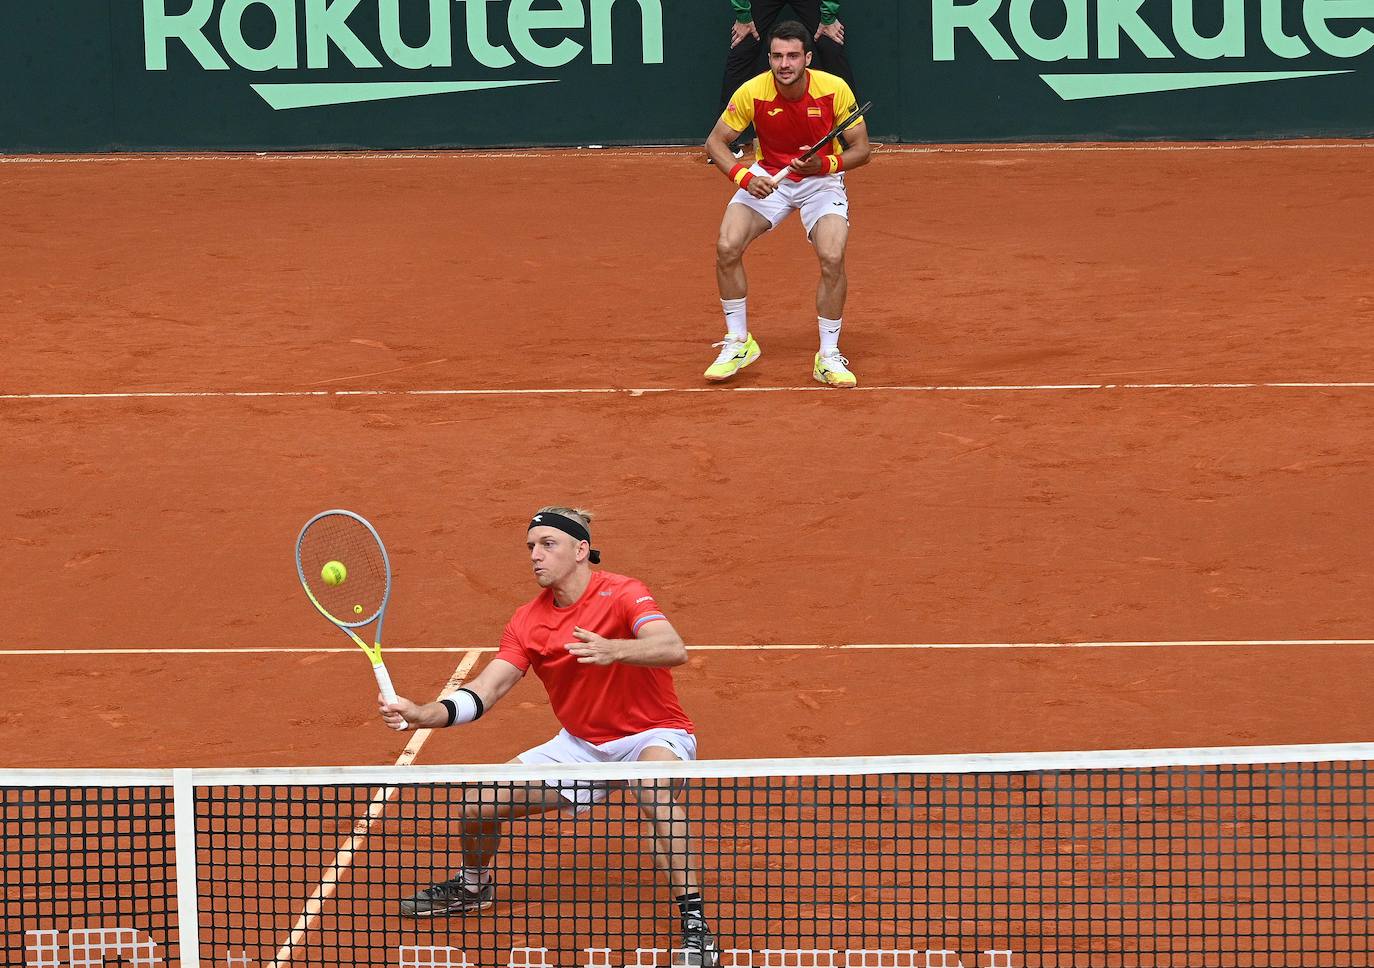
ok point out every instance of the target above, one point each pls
(548, 519)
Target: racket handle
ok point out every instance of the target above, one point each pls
(384, 683)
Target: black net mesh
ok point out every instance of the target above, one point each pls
(89, 876)
(1218, 865)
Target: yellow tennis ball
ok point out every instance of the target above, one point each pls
(334, 573)
(357, 610)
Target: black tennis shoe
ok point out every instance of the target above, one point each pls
(450, 897)
(698, 947)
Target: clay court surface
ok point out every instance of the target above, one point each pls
(1048, 446)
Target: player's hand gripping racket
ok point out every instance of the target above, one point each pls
(854, 118)
(346, 574)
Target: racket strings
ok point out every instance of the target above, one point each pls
(336, 537)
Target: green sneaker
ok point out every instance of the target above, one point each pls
(735, 355)
(832, 369)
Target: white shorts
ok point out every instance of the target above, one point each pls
(567, 748)
(815, 197)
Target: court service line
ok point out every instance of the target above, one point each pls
(343, 857)
(686, 152)
(474, 651)
(646, 391)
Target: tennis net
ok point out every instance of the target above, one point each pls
(1241, 856)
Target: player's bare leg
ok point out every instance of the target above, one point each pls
(673, 853)
(829, 237)
(738, 229)
(486, 808)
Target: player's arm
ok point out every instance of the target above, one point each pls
(855, 138)
(656, 644)
(463, 706)
(859, 150)
(718, 147)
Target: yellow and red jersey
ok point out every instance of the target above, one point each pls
(595, 703)
(787, 128)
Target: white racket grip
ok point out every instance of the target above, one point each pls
(388, 690)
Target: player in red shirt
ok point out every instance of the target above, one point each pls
(791, 107)
(602, 647)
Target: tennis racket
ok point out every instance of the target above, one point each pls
(333, 538)
(854, 117)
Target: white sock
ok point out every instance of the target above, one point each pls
(476, 877)
(736, 319)
(830, 334)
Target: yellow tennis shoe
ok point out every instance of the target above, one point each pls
(735, 355)
(832, 369)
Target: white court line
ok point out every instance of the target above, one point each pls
(661, 151)
(645, 391)
(343, 857)
(849, 646)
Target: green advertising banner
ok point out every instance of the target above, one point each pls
(1114, 69)
(93, 75)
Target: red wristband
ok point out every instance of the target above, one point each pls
(836, 164)
(741, 176)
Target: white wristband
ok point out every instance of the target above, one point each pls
(464, 706)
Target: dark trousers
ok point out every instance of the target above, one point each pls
(750, 58)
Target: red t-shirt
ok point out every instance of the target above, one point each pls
(595, 703)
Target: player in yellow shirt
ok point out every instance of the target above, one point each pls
(791, 107)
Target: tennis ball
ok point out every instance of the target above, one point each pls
(334, 573)
(357, 610)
